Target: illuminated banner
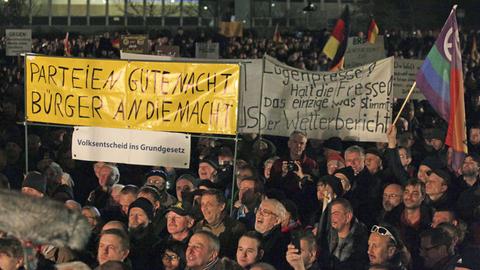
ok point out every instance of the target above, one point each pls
(183, 97)
(151, 148)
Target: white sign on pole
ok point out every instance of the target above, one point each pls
(131, 146)
(353, 104)
(18, 41)
(405, 73)
(360, 52)
(207, 50)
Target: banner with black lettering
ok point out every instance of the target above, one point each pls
(250, 85)
(353, 104)
(151, 148)
(181, 97)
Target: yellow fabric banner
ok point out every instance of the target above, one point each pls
(182, 97)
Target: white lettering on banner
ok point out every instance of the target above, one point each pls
(154, 148)
(353, 104)
(405, 75)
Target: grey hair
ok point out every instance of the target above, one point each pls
(214, 242)
(355, 149)
(72, 266)
(279, 208)
(114, 174)
(263, 266)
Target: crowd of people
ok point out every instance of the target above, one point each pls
(296, 203)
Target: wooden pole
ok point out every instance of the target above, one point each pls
(404, 103)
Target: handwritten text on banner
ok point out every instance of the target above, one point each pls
(183, 97)
(353, 104)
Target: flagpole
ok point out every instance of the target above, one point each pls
(404, 103)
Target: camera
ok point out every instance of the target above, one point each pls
(292, 166)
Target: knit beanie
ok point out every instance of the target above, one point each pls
(335, 183)
(36, 181)
(143, 204)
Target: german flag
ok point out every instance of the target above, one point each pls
(372, 31)
(277, 38)
(337, 43)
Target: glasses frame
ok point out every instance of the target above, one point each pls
(383, 231)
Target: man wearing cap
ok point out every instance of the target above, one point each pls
(438, 193)
(158, 178)
(142, 236)
(436, 140)
(184, 185)
(429, 163)
(179, 222)
(207, 169)
(332, 149)
(34, 184)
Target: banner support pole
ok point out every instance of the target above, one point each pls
(404, 103)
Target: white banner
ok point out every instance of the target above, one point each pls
(359, 52)
(353, 104)
(131, 146)
(207, 50)
(250, 85)
(18, 41)
(405, 73)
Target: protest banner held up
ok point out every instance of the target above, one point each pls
(354, 104)
(134, 43)
(250, 85)
(18, 41)
(361, 52)
(405, 72)
(182, 97)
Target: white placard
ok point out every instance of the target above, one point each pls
(353, 104)
(405, 74)
(207, 50)
(360, 52)
(131, 146)
(18, 41)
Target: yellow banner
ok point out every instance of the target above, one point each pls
(182, 97)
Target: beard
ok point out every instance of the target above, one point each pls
(470, 173)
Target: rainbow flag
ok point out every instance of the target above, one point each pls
(441, 80)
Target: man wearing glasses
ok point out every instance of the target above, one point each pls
(437, 250)
(268, 220)
(385, 248)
